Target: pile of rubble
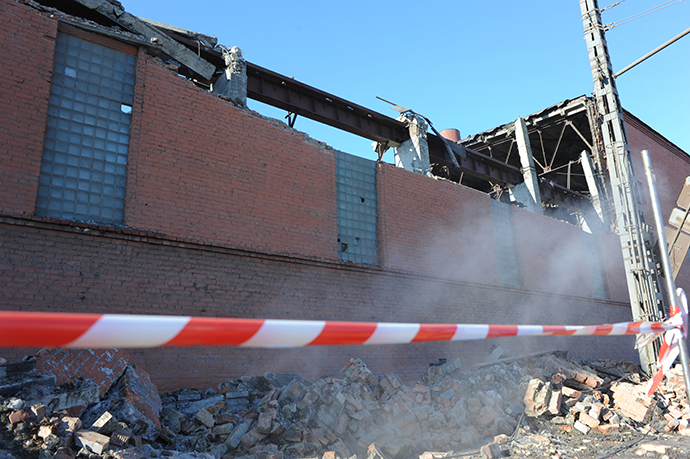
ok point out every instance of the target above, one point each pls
(575, 399)
(282, 416)
(285, 416)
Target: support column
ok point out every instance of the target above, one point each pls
(597, 223)
(526, 192)
(644, 285)
(232, 83)
(413, 154)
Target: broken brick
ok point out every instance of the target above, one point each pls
(105, 425)
(92, 441)
(120, 437)
(18, 416)
(205, 418)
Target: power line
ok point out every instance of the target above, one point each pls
(610, 6)
(659, 7)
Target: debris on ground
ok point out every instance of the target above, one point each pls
(542, 404)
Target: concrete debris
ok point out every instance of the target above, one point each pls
(232, 82)
(494, 411)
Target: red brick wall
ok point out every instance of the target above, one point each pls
(50, 267)
(200, 168)
(234, 215)
(611, 259)
(551, 255)
(671, 167)
(26, 63)
(434, 227)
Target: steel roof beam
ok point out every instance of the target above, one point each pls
(296, 97)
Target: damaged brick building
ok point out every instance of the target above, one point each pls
(130, 187)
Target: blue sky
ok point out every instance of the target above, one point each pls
(471, 65)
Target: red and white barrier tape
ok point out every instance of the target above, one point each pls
(670, 346)
(40, 329)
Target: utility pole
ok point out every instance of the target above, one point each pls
(644, 287)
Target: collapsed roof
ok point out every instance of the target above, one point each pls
(487, 161)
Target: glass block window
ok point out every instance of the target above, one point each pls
(504, 239)
(357, 208)
(83, 172)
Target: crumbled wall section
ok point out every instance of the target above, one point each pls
(208, 171)
(104, 366)
(504, 238)
(26, 62)
(357, 208)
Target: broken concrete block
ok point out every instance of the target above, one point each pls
(223, 429)
(13, 383)
(172, 419)
(232, 83)
(265, 421)
(580, 427)
(251, 438)
(236, 436)
(218, 451)
(193, 407)
(93, 441)
(135, 398)
(105, 425)
(44, 431)
(293, 392)
(205, 418)
(80, 392)
(120, 437)
(188, 395)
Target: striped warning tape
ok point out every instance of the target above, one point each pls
(41, 329)
(670, 344)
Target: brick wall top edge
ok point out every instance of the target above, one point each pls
(654, 135)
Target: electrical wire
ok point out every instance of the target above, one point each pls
(644, 13)
(601, 10)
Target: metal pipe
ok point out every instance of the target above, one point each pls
(651, 53)
(666, 262)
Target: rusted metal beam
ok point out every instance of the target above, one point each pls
(289, 94)
(474, 163)
(562, 195)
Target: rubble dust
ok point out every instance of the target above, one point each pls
(530, 406)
